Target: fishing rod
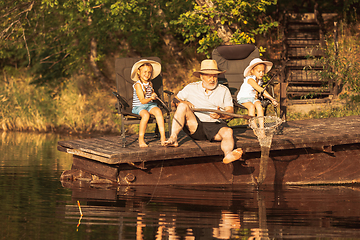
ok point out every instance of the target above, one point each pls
(234, 115)
(164, 105)
(267, 84)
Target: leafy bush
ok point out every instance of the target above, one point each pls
(340, 63)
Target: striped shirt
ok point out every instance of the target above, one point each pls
(147, 89)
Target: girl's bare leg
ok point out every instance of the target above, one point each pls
(259, 109)
(260, 113)
(160, 121)
(145, 115)
(250, 107)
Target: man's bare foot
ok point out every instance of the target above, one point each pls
(143, 145)
(233, 156)
(171, 142)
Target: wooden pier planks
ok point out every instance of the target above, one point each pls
(313, 133)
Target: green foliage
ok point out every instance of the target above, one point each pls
(13, 20)
(53, 37)
(246, 19)
(139, 18)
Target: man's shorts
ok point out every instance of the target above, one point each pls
(250, 99)
(205, 130)
(147, 107)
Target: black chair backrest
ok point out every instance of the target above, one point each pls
(124, 82)
(234, 59)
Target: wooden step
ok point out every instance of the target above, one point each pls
(303, 35)
(301, 17)
(307, 89)
(302, 42)
(302, 27)
(308, 101)
(309, 17)
(301, 63)
(302, 76)
(304, 51)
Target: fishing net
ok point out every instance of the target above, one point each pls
(264, 128)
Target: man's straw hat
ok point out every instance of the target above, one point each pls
(256, 61)
(156, 69)
(208, 66)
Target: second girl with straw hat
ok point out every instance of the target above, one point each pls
(253, 79)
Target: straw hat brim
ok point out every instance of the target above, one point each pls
(207, 71)
(156, 69)
(257, 61)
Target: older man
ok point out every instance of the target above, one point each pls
(206, 93)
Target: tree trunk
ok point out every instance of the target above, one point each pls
(92, 59)
(223, 30)
(170, 42)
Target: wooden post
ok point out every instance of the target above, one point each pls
(336, 84)
(283, 84)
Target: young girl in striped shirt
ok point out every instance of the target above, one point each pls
(142, 73)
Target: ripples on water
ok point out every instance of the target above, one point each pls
(34, 205)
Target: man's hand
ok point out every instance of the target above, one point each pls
(222, 116)
(216, 115)
(176, 102)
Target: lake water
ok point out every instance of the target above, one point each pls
(35, 205)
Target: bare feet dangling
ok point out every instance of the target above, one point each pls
(142, 144)
(162, 142)
(233, 156)
(171, 142)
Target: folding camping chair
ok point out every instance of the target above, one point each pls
(125, 92)
(234, 59)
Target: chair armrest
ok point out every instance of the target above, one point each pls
(168, 92)
(168, 106)
(163, 105)
(238, 105)
(121, 100)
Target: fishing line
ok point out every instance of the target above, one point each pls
(152, 195)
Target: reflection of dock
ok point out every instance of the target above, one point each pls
(316, 151)
(204, 211)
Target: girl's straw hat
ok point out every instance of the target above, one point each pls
(208, 66)
(156, 69)
(256, 61)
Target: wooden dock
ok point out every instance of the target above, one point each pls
(316, 151)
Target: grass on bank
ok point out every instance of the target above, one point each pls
(25, 107)
(350, 108)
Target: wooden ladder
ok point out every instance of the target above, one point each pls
(300, 82)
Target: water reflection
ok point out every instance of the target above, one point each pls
(30, 166)
(22, 149)
(218, 212)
